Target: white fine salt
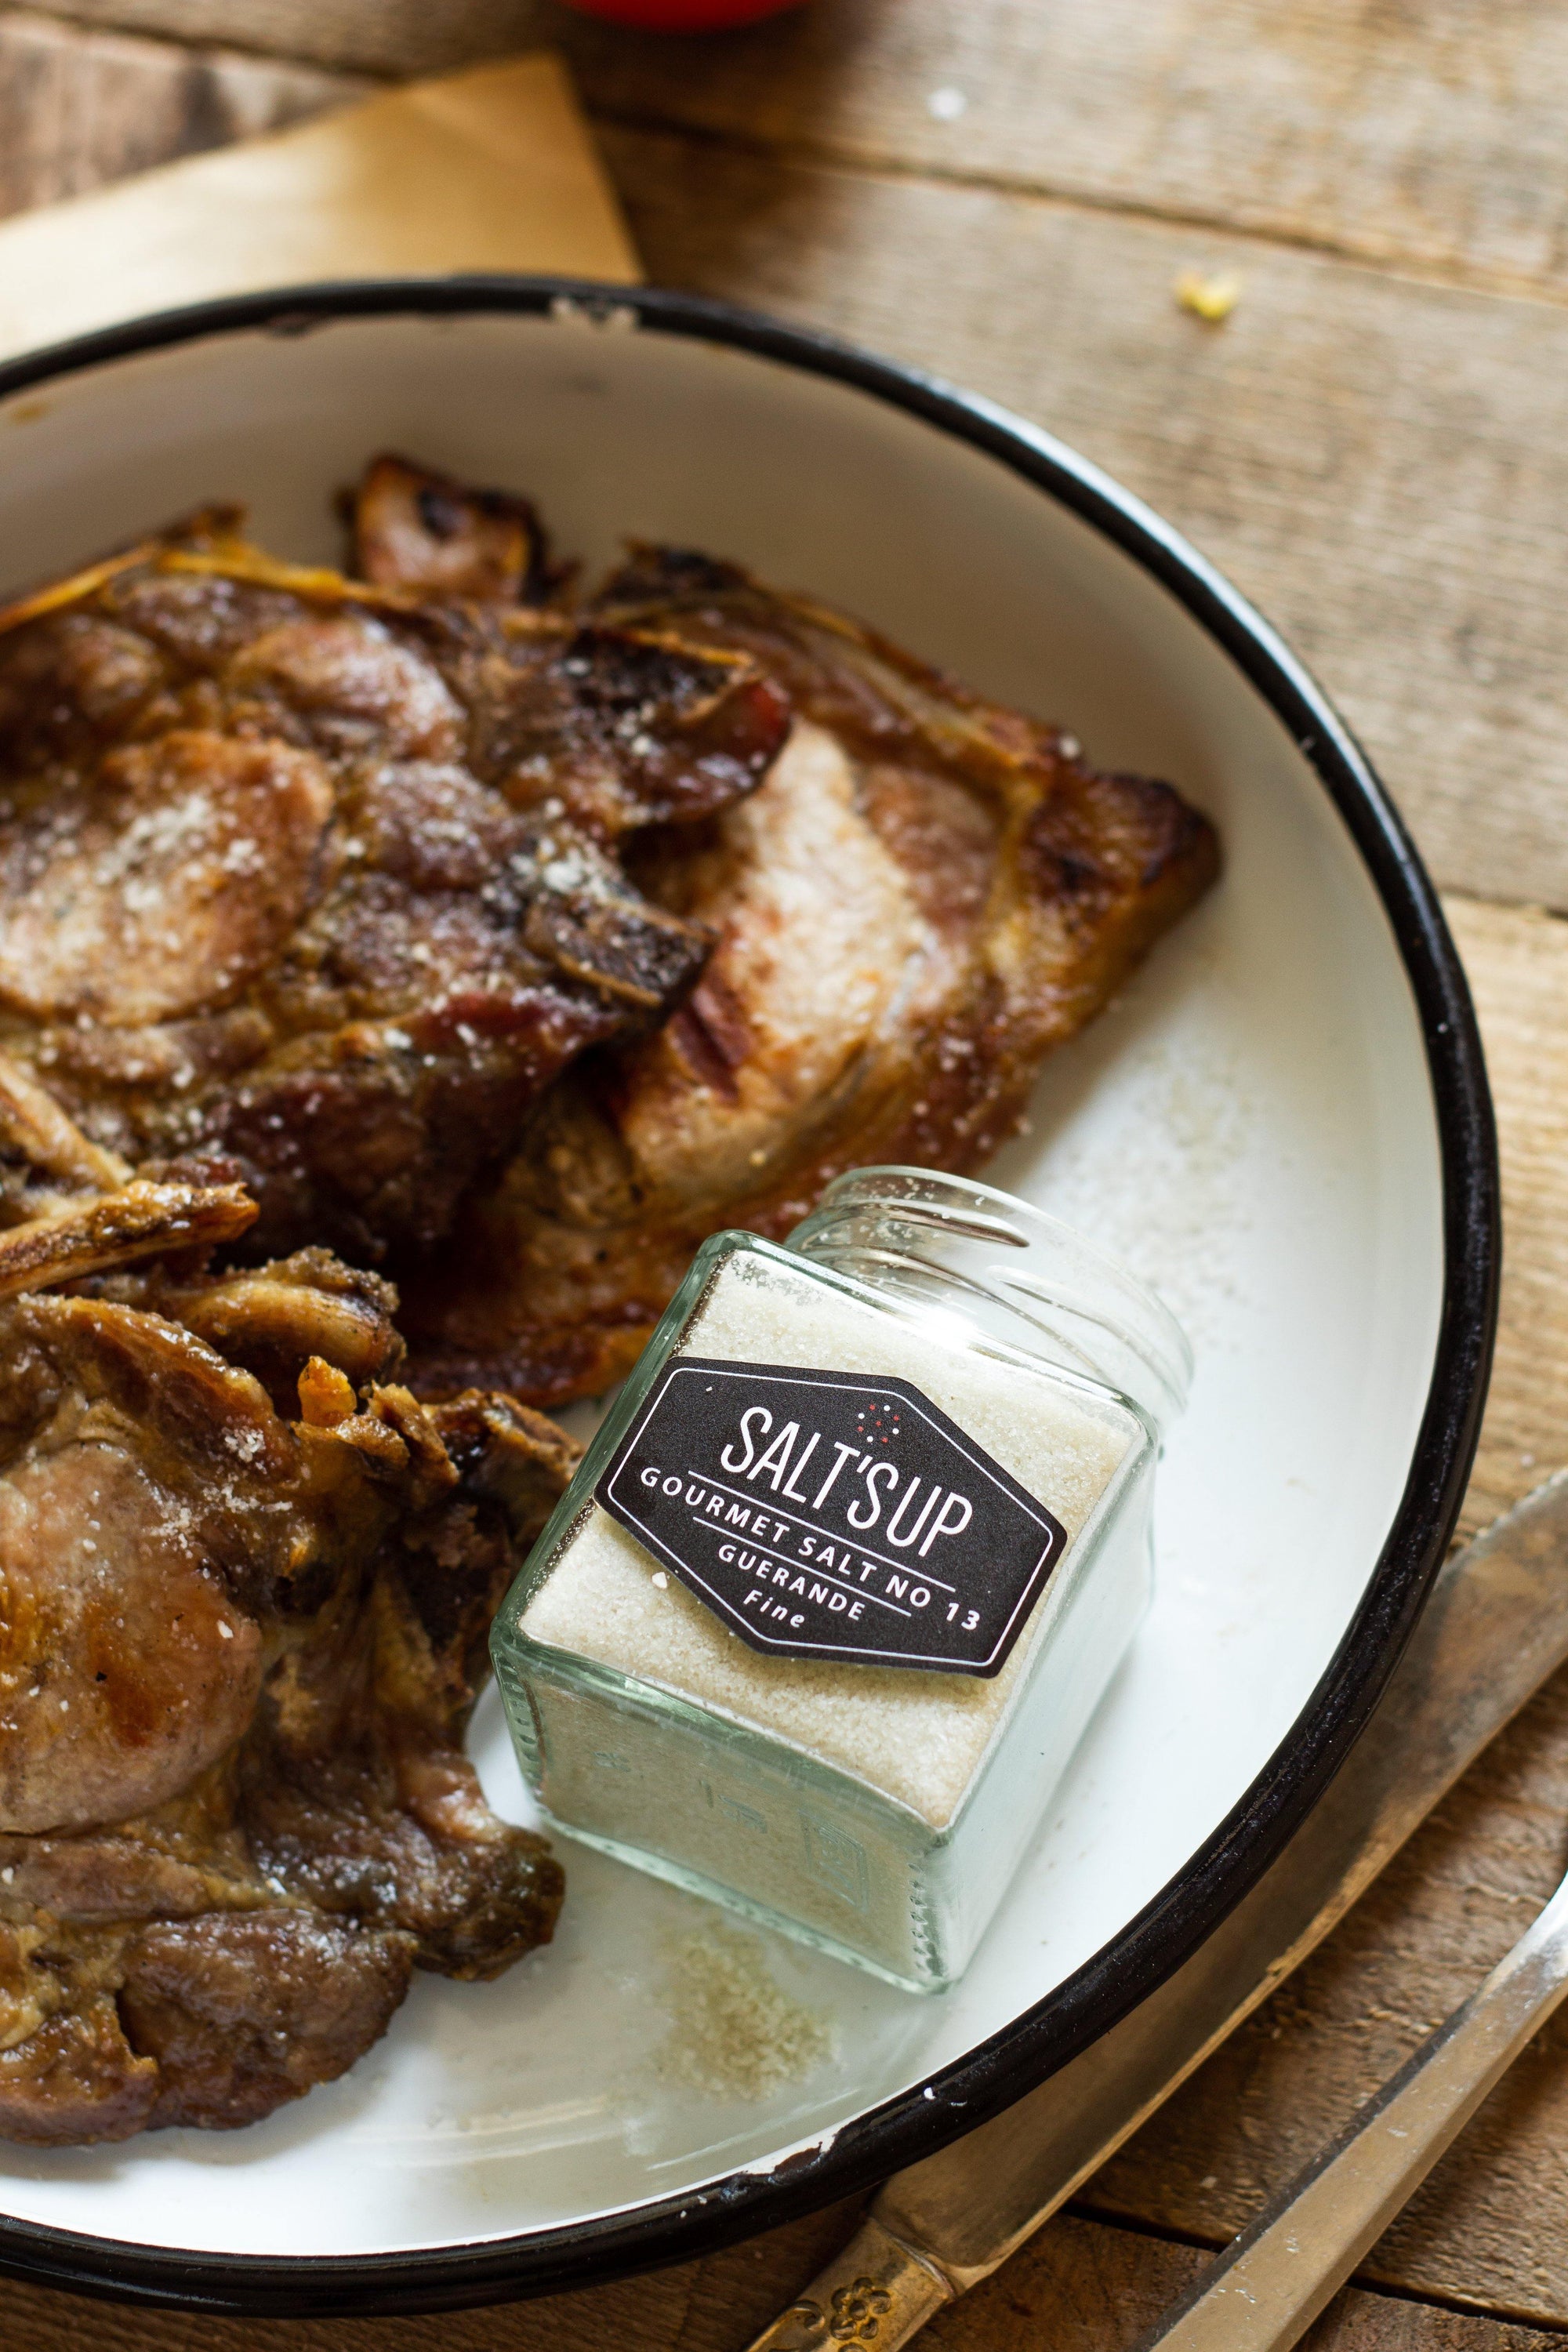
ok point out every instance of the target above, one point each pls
(917, 1735)
(735, 2033)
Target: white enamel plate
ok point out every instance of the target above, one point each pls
(1284, 1125)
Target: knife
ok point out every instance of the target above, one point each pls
(1494, 1628)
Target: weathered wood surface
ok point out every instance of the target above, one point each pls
(1518, 965)
(76, 112)
(1378, 460)
(1487, 2229)
(1429, 134)
(1080, 2286)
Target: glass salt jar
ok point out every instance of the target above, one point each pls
(845, 1574)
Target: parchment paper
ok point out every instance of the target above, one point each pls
(492, 169)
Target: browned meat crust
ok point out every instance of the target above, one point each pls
(393, 895)
(244, 1585)
(242, 2010)
(416, 529)
(323, 876)
(927, 896)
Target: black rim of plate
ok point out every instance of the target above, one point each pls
(1152, 1945)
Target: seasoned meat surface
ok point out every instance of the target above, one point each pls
(240, 2011)
(326, 879)
(516, 947)
(928, 894)
(244, 1585)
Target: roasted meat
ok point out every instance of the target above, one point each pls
(245, 1585)
(502, 945)
(418, 529)
(328, 878)
(928, 894)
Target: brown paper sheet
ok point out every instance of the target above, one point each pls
(492, 169)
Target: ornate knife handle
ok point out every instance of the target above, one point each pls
(876, 2294)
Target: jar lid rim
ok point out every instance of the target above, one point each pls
(965, 1208)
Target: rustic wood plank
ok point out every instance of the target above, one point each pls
(1079, 2286)
(77, 111)
(1379, 462)
(1429, 136)
(1486, 2229)
(713, 2305)
(1518, 966)
(385, 36)
(1082, 2287)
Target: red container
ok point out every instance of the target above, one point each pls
(683, 15)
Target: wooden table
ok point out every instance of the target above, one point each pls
(1375, 446)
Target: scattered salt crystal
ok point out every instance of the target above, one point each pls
(735, 2033)
(226, 1631)
(661, 1579)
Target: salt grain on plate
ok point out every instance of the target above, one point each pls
(735, 2033)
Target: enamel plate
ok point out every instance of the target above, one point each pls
(1283, 1124)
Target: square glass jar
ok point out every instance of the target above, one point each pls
(875, 1810)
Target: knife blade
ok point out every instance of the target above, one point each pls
(1496, 1626)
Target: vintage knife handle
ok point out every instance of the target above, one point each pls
(876, 2294)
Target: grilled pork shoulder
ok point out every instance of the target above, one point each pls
(244, 1585)
(327, 878)
(504, 946)
(927, 895)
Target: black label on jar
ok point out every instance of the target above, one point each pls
(826, 1515)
